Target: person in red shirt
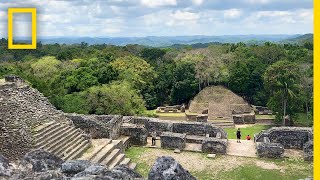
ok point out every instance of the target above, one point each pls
(248, 138)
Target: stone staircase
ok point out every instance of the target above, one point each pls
(69, 143)
(223, 123)
(107, 152)
(61, 139)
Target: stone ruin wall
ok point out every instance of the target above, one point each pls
(271, 143)
(189, 128)
(289, 137)
(98, 126)
(21, 109)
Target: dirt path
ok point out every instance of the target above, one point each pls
(245, 148)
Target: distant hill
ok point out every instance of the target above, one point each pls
(165, 41)
(300, 39)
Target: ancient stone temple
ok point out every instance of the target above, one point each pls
(219, 102)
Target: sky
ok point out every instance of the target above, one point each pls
(139, 18)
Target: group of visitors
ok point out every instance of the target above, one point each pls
(239, 136)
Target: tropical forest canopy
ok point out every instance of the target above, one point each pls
(127, 80)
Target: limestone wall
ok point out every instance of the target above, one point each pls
(98, 126)
(184, 127)
(289, 137)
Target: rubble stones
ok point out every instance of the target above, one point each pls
(121, 172)
(214, 145)
(5, 169)
(166, 168)
(171, 140)
(42, 160)
(75, 166)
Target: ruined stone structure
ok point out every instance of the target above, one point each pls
(248, 118)
(98, 126)
(289, 137)
(266, 149)
(22, 109)
(270, 142)
(138, 133)
(262, 110)
(171, 109)
(28, 121)
(175, 134)
(170, 140)
(214, 145)
(220, 102)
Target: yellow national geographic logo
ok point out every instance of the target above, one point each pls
(33, 12)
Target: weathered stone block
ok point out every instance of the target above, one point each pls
(202, 118)
(167, 168)
(238, 119)
(269, 150)
(138, 133)
(98, 126)
(197, 128)
(249, 118)
(308, 151)
(214, 145)
(159, 126)
(171, 140)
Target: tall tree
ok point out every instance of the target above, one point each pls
(282, 79)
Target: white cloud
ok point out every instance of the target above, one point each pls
(232, 13)
(157, 3)
(197, 2)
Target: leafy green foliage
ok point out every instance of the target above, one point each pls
(150, 77)
(116, 98)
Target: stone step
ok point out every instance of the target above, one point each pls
(118, 144)
(73, 139)
(62, 140)
(116, 161)
(97, 150)
(43, 127)
(46, 131)
(71, 147)
(102, 154)
(76, 152)
(47, 137)
(132, 165)
(126, 161)
(57, 137)
(110, 157)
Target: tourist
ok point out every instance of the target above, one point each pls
(154, 137)
(248, 138)
(238, 135)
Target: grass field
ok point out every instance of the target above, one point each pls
(251, 130)
(224, 167)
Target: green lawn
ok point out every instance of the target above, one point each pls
(224, 167)
(259, 116)
(134, 153)
(255, 129)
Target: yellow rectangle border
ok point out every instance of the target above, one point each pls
(33, 12)
(316, 90)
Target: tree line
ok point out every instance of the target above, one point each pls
(108, 79)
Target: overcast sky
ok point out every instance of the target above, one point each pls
(104, 18)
